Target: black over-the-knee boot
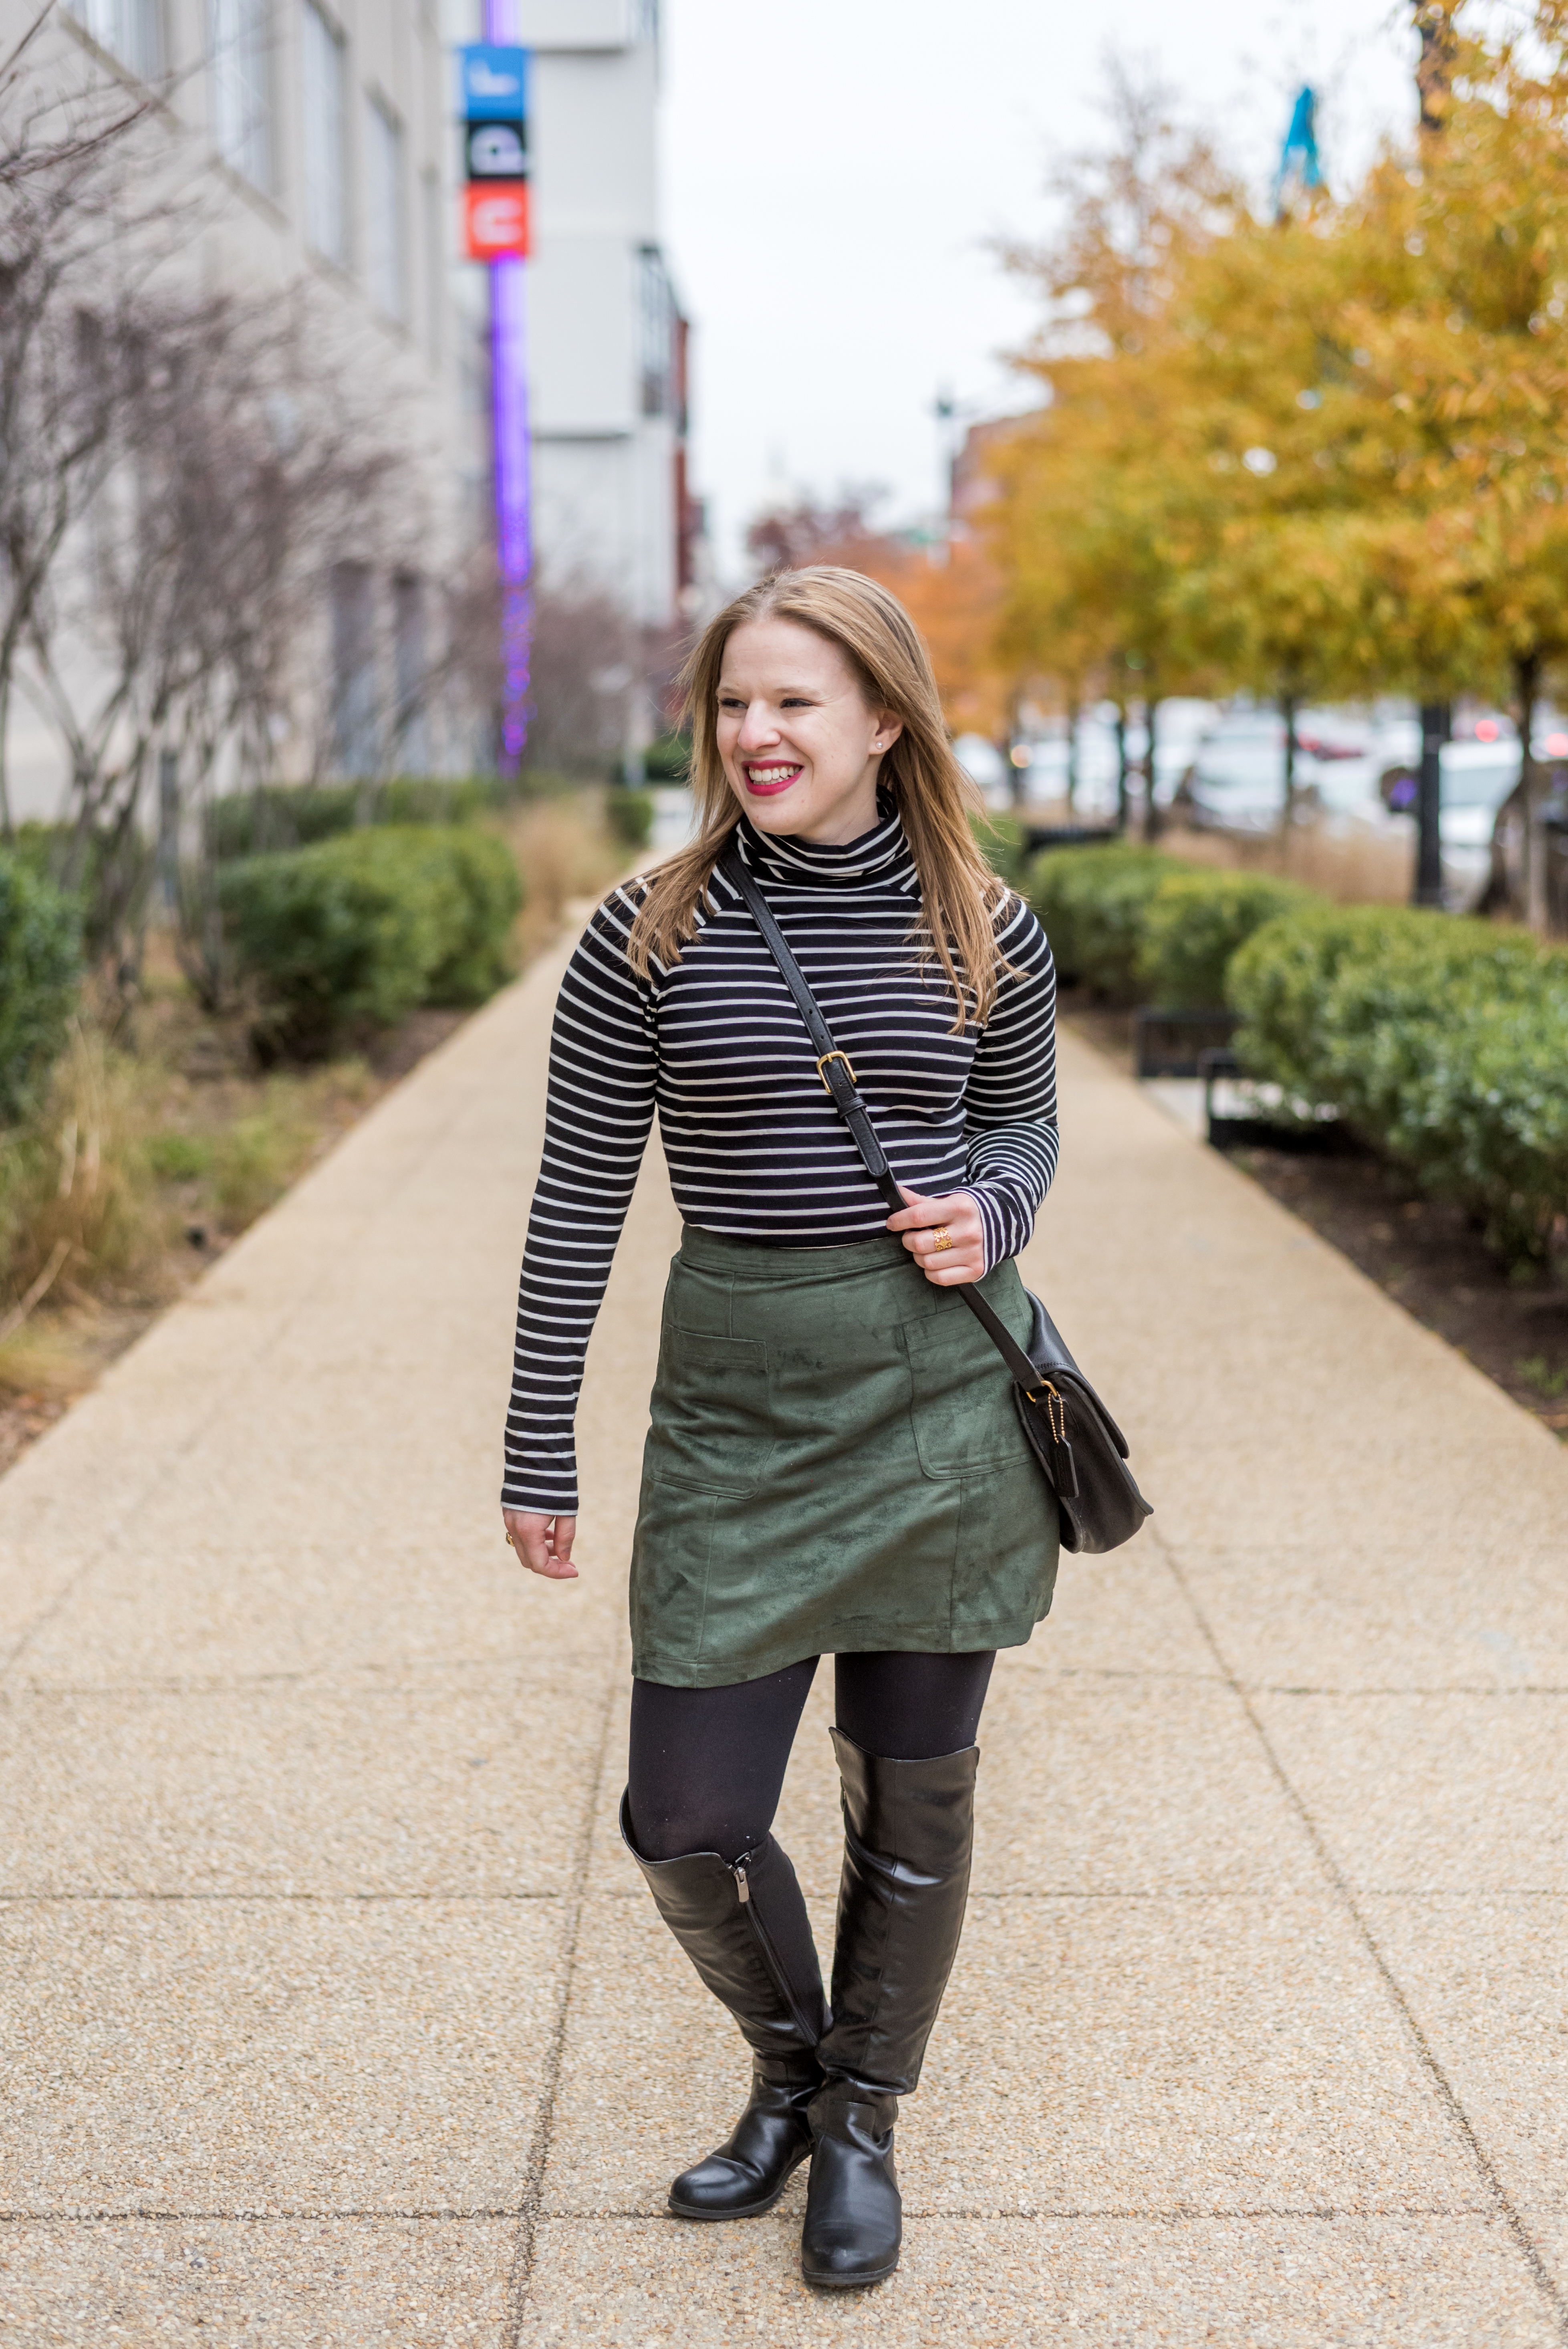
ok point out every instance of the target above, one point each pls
(745, 1929)
(908, 1837)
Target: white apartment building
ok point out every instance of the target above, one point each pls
(322, 137)
(608, 343)
(316, 139)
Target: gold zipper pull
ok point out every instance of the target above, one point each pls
(741, 1886)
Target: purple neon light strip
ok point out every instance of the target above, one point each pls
(514, 516)
(513, 505)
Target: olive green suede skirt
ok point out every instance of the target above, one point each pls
(834, 1463)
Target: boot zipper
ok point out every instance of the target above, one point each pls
(764, 1944)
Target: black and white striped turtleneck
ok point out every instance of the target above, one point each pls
(756, 1149)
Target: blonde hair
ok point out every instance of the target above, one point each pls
(961, 896)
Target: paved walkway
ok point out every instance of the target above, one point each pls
(334, 2014)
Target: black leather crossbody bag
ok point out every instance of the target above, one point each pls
(1073, 1436)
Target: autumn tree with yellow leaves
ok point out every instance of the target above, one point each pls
(1091, 523)
(1327, 454)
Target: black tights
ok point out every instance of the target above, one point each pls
(707, 1763)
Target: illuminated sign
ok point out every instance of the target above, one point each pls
(497, 150)
(494, 83)
(495, 220)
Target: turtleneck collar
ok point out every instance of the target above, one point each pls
(878, 859)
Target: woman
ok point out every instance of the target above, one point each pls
(834, 1465)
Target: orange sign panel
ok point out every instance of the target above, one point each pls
(495, 219)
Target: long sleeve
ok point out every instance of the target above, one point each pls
(1011, 1140)
(598, 1112)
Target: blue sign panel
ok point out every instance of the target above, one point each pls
(494, 83)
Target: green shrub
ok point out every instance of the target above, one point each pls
(40, 974)
(668, 760)
(1331, 998)
(534, 783)
(1093, 903)
(1194, 923)
(260, 822)
(108, 876)
(439, 799)
(1003, 844)
(478, 959)
(296, 815)
(42, 847)
(631, 815)
(357, 931)
(1445, 1042)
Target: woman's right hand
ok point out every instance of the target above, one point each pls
(544, 1543)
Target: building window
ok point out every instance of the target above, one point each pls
(434, 238)
(242, 72)
(354, 694)
(656, 317)
(325, 179)
(130, 30)
(384, 238)
(411, 669)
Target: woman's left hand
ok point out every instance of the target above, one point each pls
(960, 1217)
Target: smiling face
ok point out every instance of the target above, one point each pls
(801, 743)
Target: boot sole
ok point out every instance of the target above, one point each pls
(747, 2211)
(849, 2283)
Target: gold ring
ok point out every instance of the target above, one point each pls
(943, 1237)
(509, 1542)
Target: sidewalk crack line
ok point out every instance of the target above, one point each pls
(531, 2201)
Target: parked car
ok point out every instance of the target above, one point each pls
(985, 765)
(1181, 724)
(1235, 782)
(1046, 777)
(1477, 778)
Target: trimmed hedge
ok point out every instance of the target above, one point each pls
(1194, 923)
(357, 931)
(479, 958)
(999, 835)
(1138, 926)
(668, 760)
(296, 815)
(1445, 1042)
(1094, 904)
(40, 975)
(631, 815)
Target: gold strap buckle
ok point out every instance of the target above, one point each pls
(822, 1063)
(1056, 1410)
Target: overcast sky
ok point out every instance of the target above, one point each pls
(836, 170)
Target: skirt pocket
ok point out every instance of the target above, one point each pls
(963, 1397)
(712, 1429)
(671, 1552)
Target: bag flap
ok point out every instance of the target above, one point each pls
(1047, 1347)
(1049, 1353)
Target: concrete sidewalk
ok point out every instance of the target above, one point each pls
(334, 2013)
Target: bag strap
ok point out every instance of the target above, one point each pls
(839, 1077)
